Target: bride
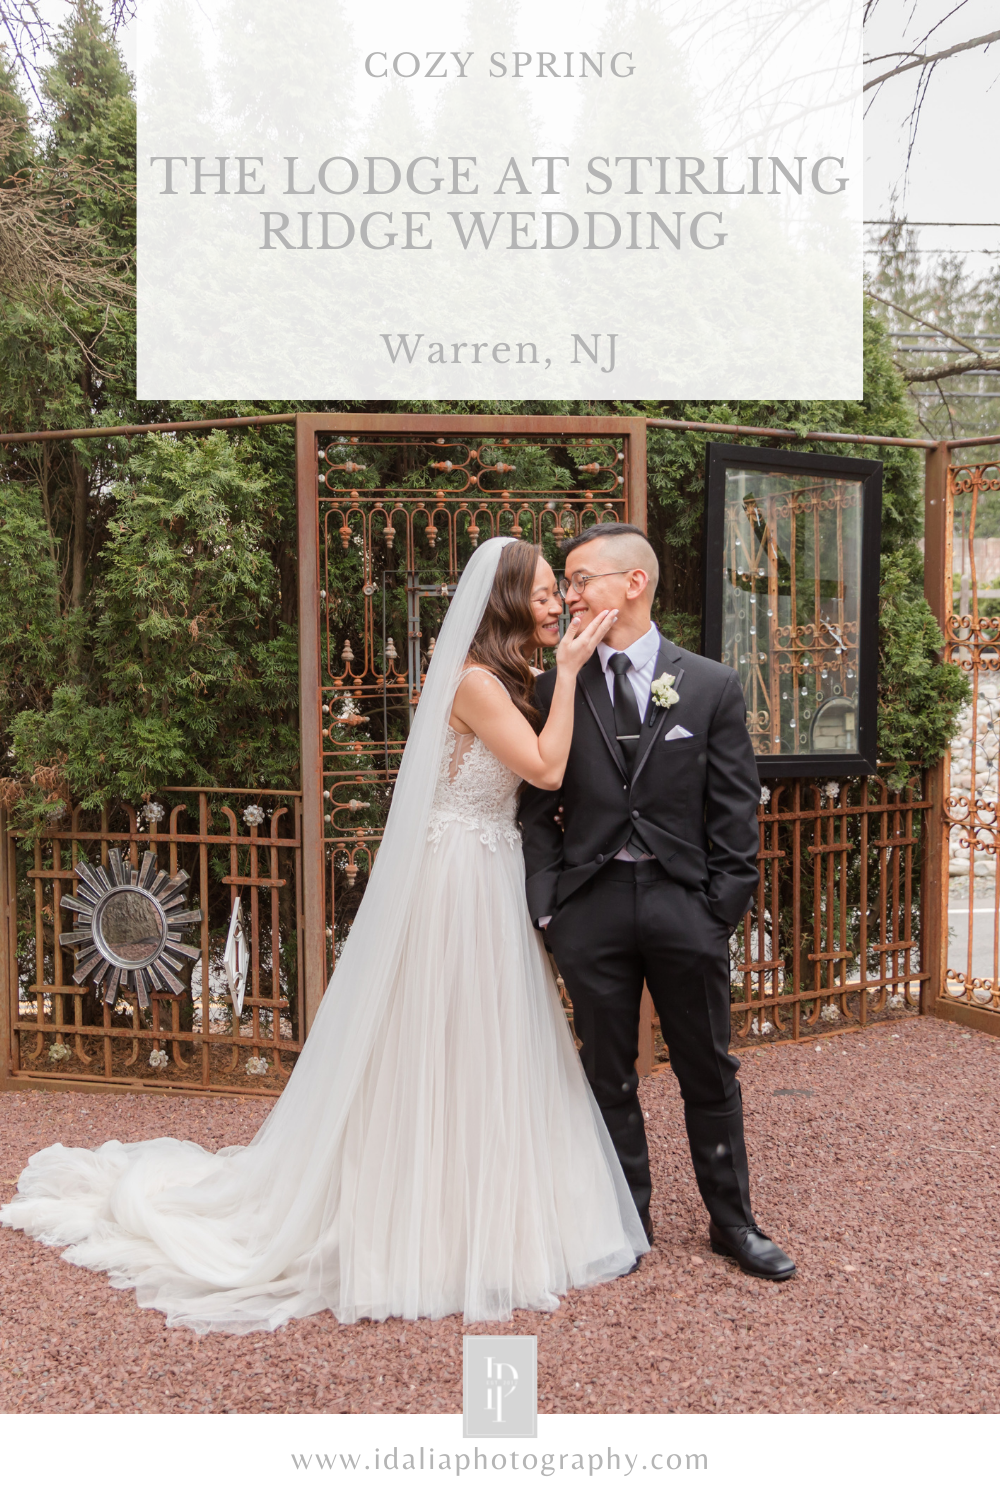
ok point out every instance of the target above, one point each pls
(437, 1149)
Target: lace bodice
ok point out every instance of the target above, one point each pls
(474, 789)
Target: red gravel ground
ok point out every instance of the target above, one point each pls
(874, 1165)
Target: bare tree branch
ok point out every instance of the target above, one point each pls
(121, 13)
(925, 60)
(870, 8)
(947, 406)
(42, 252)
(946, 333)
(28, 34)
(971, 364)
(933, 373)
(919, 98)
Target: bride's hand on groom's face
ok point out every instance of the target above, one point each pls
(579, 644)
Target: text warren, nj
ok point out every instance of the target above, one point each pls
(407, 347)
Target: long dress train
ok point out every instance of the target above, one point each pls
(467, 1170)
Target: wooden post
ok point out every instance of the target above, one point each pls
(937, 533)
(636, 472)
(310, 721)
(938, 593)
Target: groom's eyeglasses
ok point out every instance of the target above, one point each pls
(578, 581)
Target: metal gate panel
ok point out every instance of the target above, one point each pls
(969, 845)
(57, 1032)
(390, 509)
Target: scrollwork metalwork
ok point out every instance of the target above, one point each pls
(399, 515)
(971, 845)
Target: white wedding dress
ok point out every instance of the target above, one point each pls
(437, 1149)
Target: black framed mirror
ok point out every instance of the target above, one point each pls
(791, 602)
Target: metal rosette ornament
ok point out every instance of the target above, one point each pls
(127, 927)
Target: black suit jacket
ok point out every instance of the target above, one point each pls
(693, 801)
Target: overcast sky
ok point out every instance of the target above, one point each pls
(954, 173)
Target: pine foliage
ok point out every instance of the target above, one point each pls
(148, 587)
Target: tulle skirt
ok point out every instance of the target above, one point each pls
(469, 1170)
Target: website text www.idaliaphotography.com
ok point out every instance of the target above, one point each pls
(458, 1464)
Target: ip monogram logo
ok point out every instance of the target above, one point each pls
(499, 1386)
(501, 1380)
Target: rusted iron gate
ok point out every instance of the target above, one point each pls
(962, 894)
(830, 941)
(449, 484)
(60, 1034)
(837, 863)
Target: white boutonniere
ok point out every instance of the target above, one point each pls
(664, 695)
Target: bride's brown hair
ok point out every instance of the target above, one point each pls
(504, 641)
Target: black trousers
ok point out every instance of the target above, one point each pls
(632, 923)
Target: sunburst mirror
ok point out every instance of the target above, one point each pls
(128, 926)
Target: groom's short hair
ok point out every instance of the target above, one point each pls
(625, 544)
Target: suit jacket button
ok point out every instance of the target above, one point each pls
(635, 814)
(600, 859)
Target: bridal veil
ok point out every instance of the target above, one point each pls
(252, 1236)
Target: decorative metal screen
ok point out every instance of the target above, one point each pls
(970, 892)
(390, 509)
(191, 1038)
(833, 938)
(399, 511)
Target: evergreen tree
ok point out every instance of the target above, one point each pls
(87, 74)
(148, 589)
(67, 351)
(13, 112)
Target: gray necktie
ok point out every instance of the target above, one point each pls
(627, 721)
(628, 725)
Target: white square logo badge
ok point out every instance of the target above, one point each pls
(500, 1386)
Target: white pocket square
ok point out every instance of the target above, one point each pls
(678, 733)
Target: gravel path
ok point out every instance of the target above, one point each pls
(875, 1163)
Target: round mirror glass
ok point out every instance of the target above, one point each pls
(130, 928)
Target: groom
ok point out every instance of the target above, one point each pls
(646, 873)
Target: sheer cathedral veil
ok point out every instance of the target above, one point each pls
(251, 1236)
(349, 1015)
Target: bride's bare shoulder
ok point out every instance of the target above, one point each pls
(480, 684)
(479, 692)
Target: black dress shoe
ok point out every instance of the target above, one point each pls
(754, 1252)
